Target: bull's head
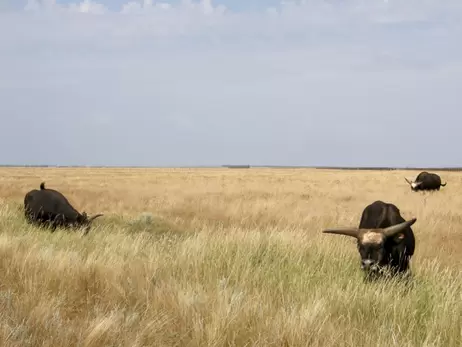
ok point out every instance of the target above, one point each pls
(371, 242)
(86, 221)
(414, 185)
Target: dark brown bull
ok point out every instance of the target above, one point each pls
(48, 207)
(384, 239)
(426, 181)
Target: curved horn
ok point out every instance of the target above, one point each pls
(91, 219)
(443, 184)
(353, 232)
(395, 229)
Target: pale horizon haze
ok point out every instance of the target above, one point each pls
(194, 83)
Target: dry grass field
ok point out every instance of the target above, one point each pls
(223, 257)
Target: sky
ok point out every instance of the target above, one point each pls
(192, 83)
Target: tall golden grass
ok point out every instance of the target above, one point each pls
(219, 257)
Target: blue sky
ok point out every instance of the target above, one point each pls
(186, 83)
(116, 5)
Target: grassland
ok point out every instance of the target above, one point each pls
(219, 257)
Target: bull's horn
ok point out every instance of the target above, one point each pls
(443, 184)
(95, 216)
(417, 184)
(395, 229)
(410, 183)
(354, 232)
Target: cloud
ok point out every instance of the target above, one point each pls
(194, 83)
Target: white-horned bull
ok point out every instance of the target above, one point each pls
(426, 181)
(48, 207)
(384, 238)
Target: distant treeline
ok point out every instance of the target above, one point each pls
(391, 168)
(246, 166)
(383, 168)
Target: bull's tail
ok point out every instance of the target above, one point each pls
(42, 186)
(443, 184)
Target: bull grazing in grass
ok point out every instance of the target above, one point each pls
(385, 239)
(48, 207)
(426, 181)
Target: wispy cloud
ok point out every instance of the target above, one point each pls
(313, 82)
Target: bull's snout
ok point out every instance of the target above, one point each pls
(368, 264)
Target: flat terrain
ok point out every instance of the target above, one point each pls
(224, 257)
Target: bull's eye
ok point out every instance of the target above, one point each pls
(364, 251)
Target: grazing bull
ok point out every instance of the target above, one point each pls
(385, 239)
(48, 207)
(426, 181)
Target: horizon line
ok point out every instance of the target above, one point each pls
(243, 166)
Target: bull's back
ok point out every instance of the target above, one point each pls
(436, 179)
(380, 214)
(48, 202)
(430, 180)
(421, 176)
(374, 215)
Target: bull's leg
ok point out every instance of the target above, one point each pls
(28, 216)
(54, 223)
(399, 263)
(404, 263)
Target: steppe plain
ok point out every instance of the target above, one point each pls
(224, 257)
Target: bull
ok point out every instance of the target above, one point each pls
(49, 208)
(426, 181)
(384, 239)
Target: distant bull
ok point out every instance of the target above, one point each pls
(426, 181)
(48, 207)
(384, 238)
